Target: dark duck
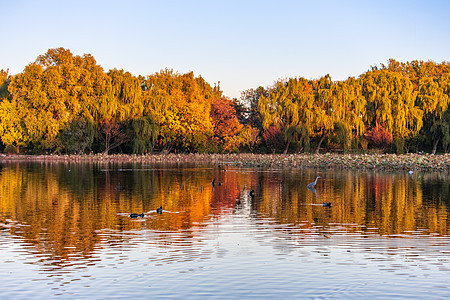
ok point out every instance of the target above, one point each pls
(135, 215)
(214, 183)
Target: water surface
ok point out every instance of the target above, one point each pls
(65, 232)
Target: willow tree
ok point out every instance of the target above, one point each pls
(348, 107)
(126, 96)
(433, 98)
(290, 106)
(145, 134)
(95, 91)
(302, 92)
(391, 104)
(430, 81)
(278, 110)
(122, 103)
(324, 117)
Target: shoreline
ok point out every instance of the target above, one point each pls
(387, 162)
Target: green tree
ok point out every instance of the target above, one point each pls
(247, 106)
(4, 82)
(78, 137)
(145, 134)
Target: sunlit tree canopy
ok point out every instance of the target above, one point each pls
(66, 103)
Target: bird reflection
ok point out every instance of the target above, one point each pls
(312, 189)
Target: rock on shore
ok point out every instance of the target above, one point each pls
(323, 161)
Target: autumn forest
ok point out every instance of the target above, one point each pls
(65, 103)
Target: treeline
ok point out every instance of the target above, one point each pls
(65, 103)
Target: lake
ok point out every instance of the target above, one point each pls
(66, 232)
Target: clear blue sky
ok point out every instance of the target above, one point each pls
(243, 44)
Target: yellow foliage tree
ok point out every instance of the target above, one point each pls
(180, 105)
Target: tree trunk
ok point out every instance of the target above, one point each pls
(435, 143)
(287, 147)
(107, 141)
(320, 142)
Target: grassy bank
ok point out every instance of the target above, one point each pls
(324, 161)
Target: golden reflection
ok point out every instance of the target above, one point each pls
(67, 210)
(382, 203)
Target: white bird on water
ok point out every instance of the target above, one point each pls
(312, 184)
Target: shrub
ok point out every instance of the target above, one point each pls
(11, 149)
(274, 138)
(379, 137)
(399, 145)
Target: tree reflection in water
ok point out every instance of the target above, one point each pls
(67, 211)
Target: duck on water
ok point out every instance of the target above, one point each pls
(214, 183)
(159, 210)
(135, 215)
